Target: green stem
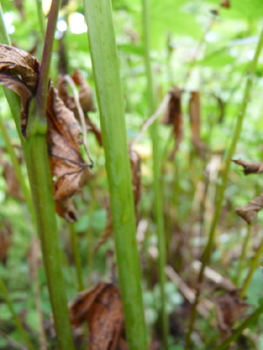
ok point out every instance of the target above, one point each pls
(222, 188)
(41, 18)
(35, 148)
(244, 250)
(17, 169)
(158, 201)
(98, 14)
(240, 329)
(77, 260)
(16, 319)
(253, 265)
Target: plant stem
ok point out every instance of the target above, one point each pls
(16, 319)
(98, 14)
(240, 329)
(158, 201)
(41, 18)
(35, 148)
(244, 250)
(77, 260)
(221, 189)
(253, 265)
(17, 169)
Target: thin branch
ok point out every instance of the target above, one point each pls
(70, 81)
(151, 120)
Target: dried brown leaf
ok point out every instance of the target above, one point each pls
(225, 3)
(66, 163)
(5, 243)
(195, 122)
(250, 167)
(174, 116)
(250, 211)
(229, 309)
(85, 92)
(101, 307)
(20, 62)
(13, 187)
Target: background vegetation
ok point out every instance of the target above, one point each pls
(195, 45)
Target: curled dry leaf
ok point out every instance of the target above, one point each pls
(250, 211)
(85, 92)
(229, 309)
(66, 163)
(225, 3)
(250, 167)
(174, 116)
(195, 122)
(71, 104)
(19, 71)
(101, 307)
(135, 162)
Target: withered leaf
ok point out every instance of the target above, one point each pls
(135, 162)
(225, 3)
(70, 103)
(66, 163)
(101, 307)
(229, 309)
(22, 63)
(174, 116)
(85, 92)
(250, 211)
(195, 122)
(250, 167)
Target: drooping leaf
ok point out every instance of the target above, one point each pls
(250, 211)
(85, 92)
(174, 116)
(101, 308)
(250, 167)
(67, 165)
(229, 309)
(195, 122)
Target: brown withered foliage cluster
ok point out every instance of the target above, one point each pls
(195, 122)
(229, 309)
(101, 308)
(250, 210)
(135, 162)
(174, 116)
(225, 3)
(19, 71)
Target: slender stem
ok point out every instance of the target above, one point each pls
(41, 96)
(221, 189)
(244, 250)
(16, 319)
(41, 18)
(98, 14)
(253, 265)
(240, 329)
(4, 38)
(77, 260)
(158, 201)
(17, 169)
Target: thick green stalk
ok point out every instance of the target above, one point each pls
(16, 319)
(40, 180)
(222, 188)
(158, 201)
(77, 260)
(240, 329)
(25, 190)
(98, 14)
(41, 18)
